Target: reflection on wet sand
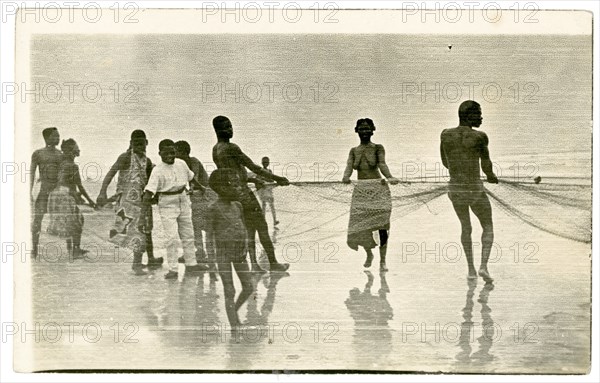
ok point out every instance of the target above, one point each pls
(247, 342)
(372, 337)
(256, 317)
(488, 327)
(467, 359)
(184, 326)
(187, 315)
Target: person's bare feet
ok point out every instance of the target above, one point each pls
(369, 261)
(383, 266)
(486, 276)
(472, 274)
(79, 253)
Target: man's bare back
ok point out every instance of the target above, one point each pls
(461, 150)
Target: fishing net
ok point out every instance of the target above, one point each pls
(320, 211)
(564, 210)
(323, 208)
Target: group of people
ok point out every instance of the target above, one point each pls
(224, 211)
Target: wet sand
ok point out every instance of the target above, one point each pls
(327, 314)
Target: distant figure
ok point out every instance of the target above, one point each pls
(66, 221)
(229, 155)
(264, 189)
(134, 169)
(371, 198)
(201, 196)
(461, 150)
(226, 240)
(48, 160)
(169, 181)
(537, 180)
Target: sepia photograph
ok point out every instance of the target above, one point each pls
(300, 188)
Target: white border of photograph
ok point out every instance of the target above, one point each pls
(182, 23)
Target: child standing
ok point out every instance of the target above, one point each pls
(226, 239)
(66, 221)
(201, 196)
(169, 180)
(264, 190)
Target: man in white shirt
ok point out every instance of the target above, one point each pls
(169, 179)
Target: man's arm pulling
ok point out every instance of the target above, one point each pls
(258, 170)
(442, 152)
(486, 162)
(101, 200)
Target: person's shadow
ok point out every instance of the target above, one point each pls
(467, 358)
(372, 337)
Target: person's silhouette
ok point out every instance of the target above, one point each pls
(462, 149)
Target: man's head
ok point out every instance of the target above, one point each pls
(365, 128)
(70, 148)
(138, 142)
(51, 136)
(166, 151)
(265, 162)
(469, 114)
(225, 182)
(182, 149)
(223, 127)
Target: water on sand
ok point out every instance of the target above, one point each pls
(328, 313)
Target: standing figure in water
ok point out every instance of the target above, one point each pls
(226, 154)
(264, 189)
(48, 160)
(371, 199)
(169, 181)
(226, 240)
(201, 197)
(461, 149)
(66, 221)
(134, 169)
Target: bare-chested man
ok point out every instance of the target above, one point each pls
(461, 149)
(48, 160)
(229, 155)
